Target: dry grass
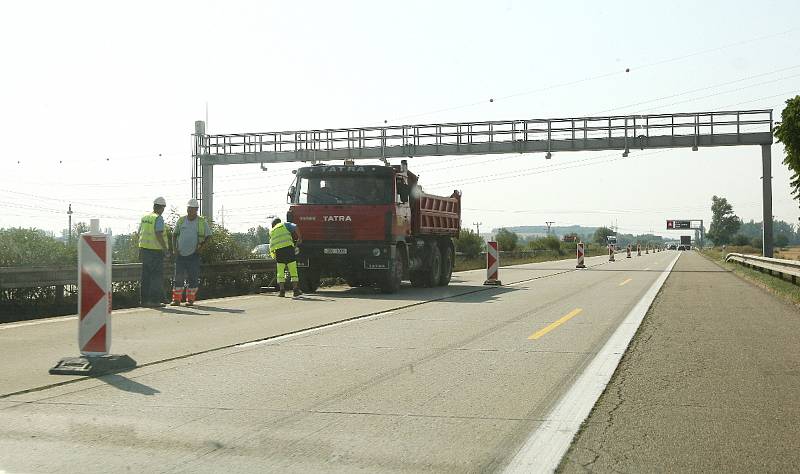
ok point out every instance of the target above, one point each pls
(789, 253)
(774, 284)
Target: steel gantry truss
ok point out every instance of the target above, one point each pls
(618, 132)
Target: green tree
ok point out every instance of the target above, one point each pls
(601, 234)
(787, 131)
(469, 243)
(724, 223)
(21, 247)
(506, 240)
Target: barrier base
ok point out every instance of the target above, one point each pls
(580, 266)
(493, 283)
(92, 365)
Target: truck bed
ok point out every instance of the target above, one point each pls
(437, 215)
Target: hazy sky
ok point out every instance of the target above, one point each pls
(98, 100)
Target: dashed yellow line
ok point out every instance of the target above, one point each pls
(626, 281)
(556, 324)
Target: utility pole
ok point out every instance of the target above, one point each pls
(478, 227)
(69, 224)
(549, 223)
(222, 216)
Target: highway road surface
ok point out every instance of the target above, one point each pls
(467, 378)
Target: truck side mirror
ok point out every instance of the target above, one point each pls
(290, 194)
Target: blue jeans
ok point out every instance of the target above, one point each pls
(152, 283)
(187, 271)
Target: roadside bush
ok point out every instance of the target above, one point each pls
(469, 243)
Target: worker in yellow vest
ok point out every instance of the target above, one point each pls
(152, 247)
(191, 233)
(283, 241)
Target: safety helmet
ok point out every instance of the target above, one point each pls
(193, 203)
(160, 201)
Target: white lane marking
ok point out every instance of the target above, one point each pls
(543, 450)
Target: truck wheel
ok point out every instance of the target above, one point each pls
(309, 281)
(418, 278)
(391, 282)
(435, 272)
(447, 265)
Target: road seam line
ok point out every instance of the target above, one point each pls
(544, 449)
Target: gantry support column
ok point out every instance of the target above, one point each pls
(766, 184)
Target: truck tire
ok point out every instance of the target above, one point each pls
(309, 281)
(434, 274)
(391, 282)
(448, 257)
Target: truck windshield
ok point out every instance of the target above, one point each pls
(344, 189)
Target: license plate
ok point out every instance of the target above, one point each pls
(335, 251)
(376, 266)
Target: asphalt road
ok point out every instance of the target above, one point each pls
(710, 383)
(449, 379)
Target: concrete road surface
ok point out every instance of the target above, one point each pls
(446, 380)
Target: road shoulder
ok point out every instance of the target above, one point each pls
(709, 383)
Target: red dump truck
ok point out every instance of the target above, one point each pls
(373, 226)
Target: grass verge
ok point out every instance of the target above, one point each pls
(774, 284)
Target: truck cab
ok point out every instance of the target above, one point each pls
(372, 226)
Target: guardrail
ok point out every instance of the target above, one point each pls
(61, 276)
(774, 266)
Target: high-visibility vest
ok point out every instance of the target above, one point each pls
(201, 227)
(147, 232)
(280, 237)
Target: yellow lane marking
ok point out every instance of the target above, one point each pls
(626, 281)
(564, 319)
(648, 268)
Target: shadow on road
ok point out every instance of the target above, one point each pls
(215, 309)
(174, 310)
(128, 385)
(454, 293)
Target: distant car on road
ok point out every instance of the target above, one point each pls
(260, 251)
(683, 247)
(673, 247)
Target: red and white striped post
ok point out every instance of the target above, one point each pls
(647, 250)
(611, 253)
(492, 264)
(581, 253)
(629, 251)
(638, 250)
(94, 309)
(94, 290)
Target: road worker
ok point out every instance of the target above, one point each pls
(152, 247)
(191, 233)
(283, 241)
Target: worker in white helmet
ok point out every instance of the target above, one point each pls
(191, 233)
(152, 247)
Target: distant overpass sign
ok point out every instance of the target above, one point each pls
(675, 224)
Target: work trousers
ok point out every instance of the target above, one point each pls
(285, 258)
(152, 283)
(187, 271)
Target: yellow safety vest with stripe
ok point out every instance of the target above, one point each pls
(280, 237)
(201, 227)
(147, 233)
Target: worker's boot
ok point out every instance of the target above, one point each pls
(282, 291)
(296, 289)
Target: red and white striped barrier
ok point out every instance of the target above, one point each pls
(94, 290)
(638, 250)
(629, 251)
(647, 250)
(581, 253)
(94, 310)
(492, 264)
(611, 253)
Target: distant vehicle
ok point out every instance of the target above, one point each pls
(260, 251)
(683, 247)
(673, 247)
